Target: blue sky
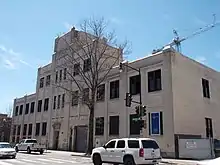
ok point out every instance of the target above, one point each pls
(28, 29)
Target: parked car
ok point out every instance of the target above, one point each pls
(6, 150)
(128, 151)
(30, 145)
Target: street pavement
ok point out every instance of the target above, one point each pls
(65, 158)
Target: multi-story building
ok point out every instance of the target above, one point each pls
(5, 127)
(181, 96)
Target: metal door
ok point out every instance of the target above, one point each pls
(81, 138)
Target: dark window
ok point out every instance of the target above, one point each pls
(30, 129)
(205, 87)
(46, 104)
(48, 80)
(87, 65)
(135, 85)
(114, 125)
(42, 82)
(54, 102)
(19, 129)
(99, 126)
(64, 74)
(111, 144)
(25, 130)
(39, 107)
(58, 102)
(31, 141)
(75, 98)
(114, 89)
(85, 96)
(61, 72)
(27, 108)
(100, 93)
(154, 80)
(44, 129)
(133, 144)
(121, 144)
(76, 69)
(37, 132)
(21, 110)
(14, 130)
(13, 139)
(134, 125)
(63, 100)
(16, 110)
(209, 129)
(56, 77)
(32, 107)
(149, 144)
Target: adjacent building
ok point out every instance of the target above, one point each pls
(181, 95)
(5, 127)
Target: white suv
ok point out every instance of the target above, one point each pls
(128, 151)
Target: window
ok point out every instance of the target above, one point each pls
(46, 104)
(76, 69)
(114, 89)
(16, 110)
(14, 130)
(30, 129)
(18, 130)
(56, 77)
(31, 141)
(64, 74)
(121, 144)
(100, 93)
(37, 132)
(58, 102)
(209, 129)
(61, 75)
(25, 130)
(54, 102)
(154, 80)
(133, 144)
(63, 100)
(114, 125)
(21, 110)
(111, 144)
(85, 96)
(134, 125)
(87, 65)
(156, 123)
(44, 129)
(27, 108)
(99, 126)
(32, 107)
(42, 82)
(205, 87)
(135, 85)
(39, 106)
(48, 80)
(75, 98)
(149, 144)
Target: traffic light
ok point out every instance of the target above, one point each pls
(144, 111)
(120, 66)
(141, 122)
(137, 110)
(128, 100)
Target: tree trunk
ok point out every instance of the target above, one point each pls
(91, 130)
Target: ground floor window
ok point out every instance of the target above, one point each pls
(155, 120)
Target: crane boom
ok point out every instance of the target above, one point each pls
(177, 41)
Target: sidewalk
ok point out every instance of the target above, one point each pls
(180, 162)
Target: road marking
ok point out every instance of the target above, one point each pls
(68, 161)
(5, 163)
(32, 161)
(16, 161)
(47, 160)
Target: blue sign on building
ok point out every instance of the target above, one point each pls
(155, 123)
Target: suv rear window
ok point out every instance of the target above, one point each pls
(133, 144)
(31, 141)
(149, 144)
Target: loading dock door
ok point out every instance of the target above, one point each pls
(81, 138)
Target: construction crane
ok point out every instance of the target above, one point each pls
(177, 40)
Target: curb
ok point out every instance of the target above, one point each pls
(84, 156)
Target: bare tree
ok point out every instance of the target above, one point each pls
(87, 60)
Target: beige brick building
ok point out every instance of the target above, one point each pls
(182, 98)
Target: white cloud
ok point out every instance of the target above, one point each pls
(201, 59)
(68, 25)
(11, 58)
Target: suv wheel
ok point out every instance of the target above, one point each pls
(129, 161)
(97, 159)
